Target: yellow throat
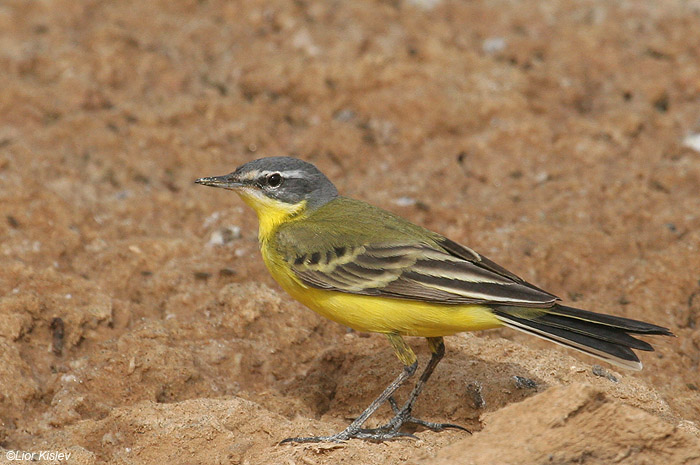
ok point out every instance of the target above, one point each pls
(271, 213)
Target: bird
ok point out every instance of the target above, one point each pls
(373, 271)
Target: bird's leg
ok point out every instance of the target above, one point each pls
(404, 415)
(355, 430)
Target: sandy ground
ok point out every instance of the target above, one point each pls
(138, 324)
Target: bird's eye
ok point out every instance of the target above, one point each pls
(274, 180)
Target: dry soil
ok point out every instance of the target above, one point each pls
(138, 324)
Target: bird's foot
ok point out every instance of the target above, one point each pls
(403, 416)
(389, 431)
(373, 434)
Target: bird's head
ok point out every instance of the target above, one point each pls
(277, 186)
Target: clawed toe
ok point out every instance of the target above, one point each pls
(385, 432)
(378, 434)
(311, 439)
(437, 427)
(403, 416)
(371, 434)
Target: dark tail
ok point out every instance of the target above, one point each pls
(603, 336)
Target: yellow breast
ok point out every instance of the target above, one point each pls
(360, 312)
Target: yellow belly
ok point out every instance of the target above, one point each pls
(382, 314)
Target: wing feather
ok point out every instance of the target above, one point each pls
(417, 272)
(350, 246)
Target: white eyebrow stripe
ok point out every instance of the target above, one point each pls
(285, 174)
(251, 175)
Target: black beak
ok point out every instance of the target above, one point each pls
(227, 182)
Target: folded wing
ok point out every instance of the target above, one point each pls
(450, 274)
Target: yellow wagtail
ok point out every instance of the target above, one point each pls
(373, 271)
